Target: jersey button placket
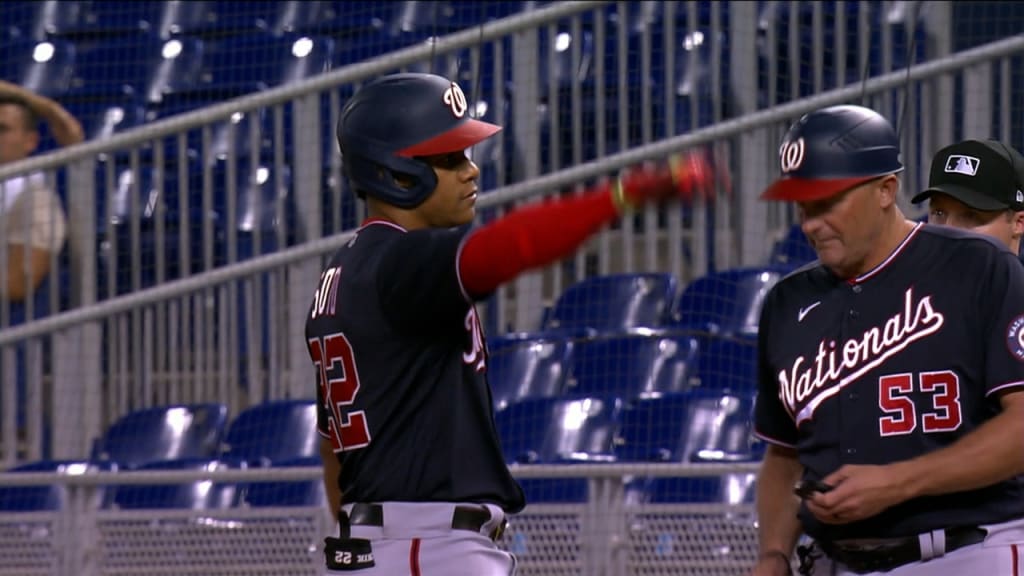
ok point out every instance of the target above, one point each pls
(848, 448)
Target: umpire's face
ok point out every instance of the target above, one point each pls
(845, 229)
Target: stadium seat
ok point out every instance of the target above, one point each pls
(273, 432)
(197, 495)
(527, 365)
(163, 433)
(102, 119)
(287, 493)
(214, 19)
(548, 430)
(727, 363)
(633, 365)
(614, 303)
(793, 250)
(102, 19)
(139, 65)
(41, 498)
(726, 302)
(44, 67)
(554, 490)
(692, 426)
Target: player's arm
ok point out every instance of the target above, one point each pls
(777, 507)
(778, 525)
(332, 469)
(543, 233)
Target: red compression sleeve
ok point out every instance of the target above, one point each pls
(530, 237)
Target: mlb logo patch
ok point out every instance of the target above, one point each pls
(960, 164)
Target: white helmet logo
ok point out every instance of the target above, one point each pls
(791, 155)
(456, 100)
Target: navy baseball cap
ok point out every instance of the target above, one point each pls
(983, 174)
(832, 150)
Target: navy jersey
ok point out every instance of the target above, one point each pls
(401, 384)
(905, 359)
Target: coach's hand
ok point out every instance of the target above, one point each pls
(680, 177)
(859, 492)
(772, 565)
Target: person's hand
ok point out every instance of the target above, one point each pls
(772, 564)
(858, 492)
(679, 177)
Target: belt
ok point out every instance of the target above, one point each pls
(884, 555)
(465, 517)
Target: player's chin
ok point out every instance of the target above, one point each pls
(464, 215)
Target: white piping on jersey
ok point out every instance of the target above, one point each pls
(891, 257)
(1004, 386)
(384, 222)
(914, 322)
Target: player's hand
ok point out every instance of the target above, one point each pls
(679, 177)
(859, 492)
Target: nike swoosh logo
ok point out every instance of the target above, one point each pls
(803, 311)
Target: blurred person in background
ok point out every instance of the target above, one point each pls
(32, 220)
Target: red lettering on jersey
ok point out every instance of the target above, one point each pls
(474, 356)
(835, 366)
(944, 389)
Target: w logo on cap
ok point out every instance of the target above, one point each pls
(456, 100)
(960, 164)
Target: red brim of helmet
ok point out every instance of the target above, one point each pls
(807, 190)
(465, 135)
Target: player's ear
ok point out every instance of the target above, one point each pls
(888, 189)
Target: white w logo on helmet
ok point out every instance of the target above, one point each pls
(791, 155)
(455, 100)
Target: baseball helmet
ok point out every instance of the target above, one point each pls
(393, 120)
(832, 150)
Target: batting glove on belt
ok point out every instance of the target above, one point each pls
(680, 177)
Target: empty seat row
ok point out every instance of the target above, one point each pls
(692, 426)
(630, 365)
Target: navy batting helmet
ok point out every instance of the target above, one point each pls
(832, 150)
(393, 120)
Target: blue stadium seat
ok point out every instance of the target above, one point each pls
(727, 363)
(30, 19)
(692, 426)
(614, 303)
(719, 489)
(562, 429)
(140, 65)
(45, 66)
(726, 302)
(527, 365)
(163, 433)
(46, 498)
(287, 493)
(272, 432)
(793, 250)
(198, 495)
(633, 365)
(102, 19)
(240, 65)
(555, 490)
(103, 118)
(221, 18)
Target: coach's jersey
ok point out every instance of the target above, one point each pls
(401, 384)
(905, 359)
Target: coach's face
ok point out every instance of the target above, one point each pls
(844, 228)
(453, 202)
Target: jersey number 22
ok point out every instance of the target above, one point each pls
(333, 355)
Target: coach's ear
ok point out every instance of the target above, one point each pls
(888, 188)
(1017, 223)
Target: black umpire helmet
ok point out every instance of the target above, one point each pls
(832, 150)
(395, 119)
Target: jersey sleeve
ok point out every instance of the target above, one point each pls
(418, 279)
(1004, 366)
(772, 422)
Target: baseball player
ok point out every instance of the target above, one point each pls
(978, 185)
(891, 372)
(412, 463)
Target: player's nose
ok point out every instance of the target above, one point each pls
(470, 171)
